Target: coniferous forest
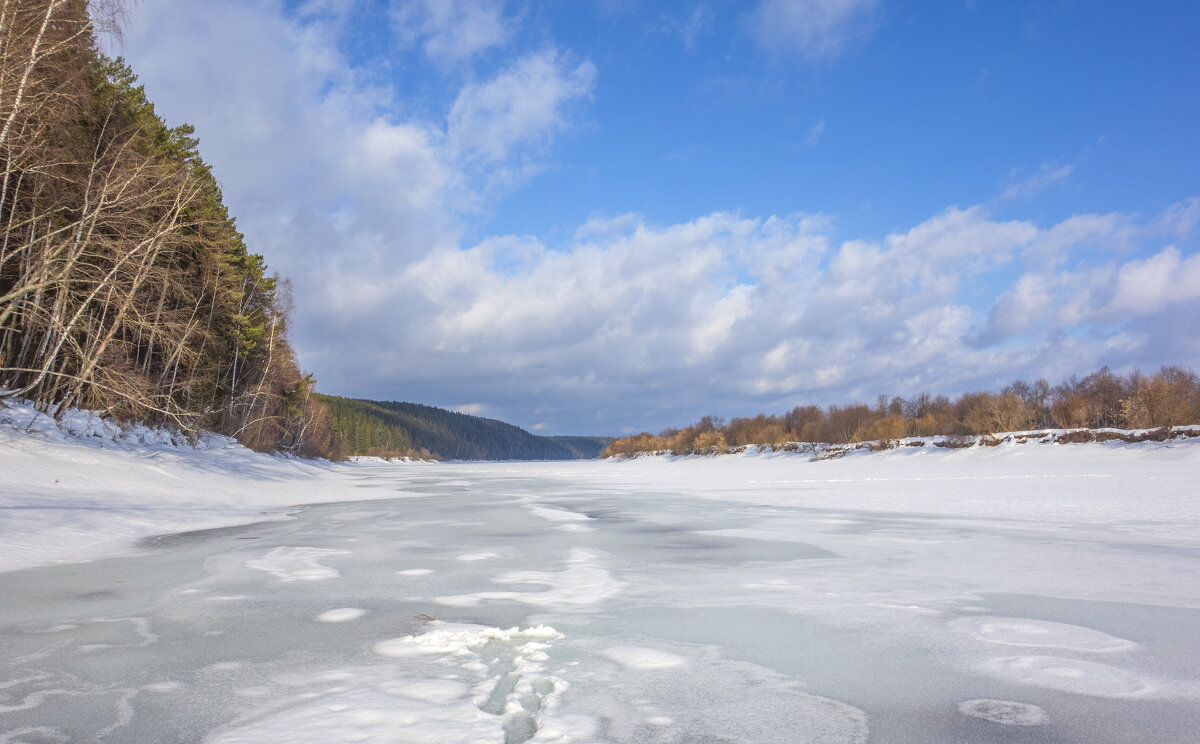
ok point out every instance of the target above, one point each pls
(390, 429)
(125, 285)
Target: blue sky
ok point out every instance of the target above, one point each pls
(601, 216)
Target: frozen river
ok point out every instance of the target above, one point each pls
(941, 597)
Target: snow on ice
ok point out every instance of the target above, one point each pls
(159, 591)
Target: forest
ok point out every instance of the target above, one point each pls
(391, 429)
(1103, 399)
(125, 285)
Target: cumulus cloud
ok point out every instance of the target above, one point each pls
(450, 31)
(1151, 285)
(1028, 303)
(812, 28)
(1105, 289)
(1106, 232)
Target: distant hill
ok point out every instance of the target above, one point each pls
(582, 448)
(388, 428)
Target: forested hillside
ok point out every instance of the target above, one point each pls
(389, 429)
(1169, 397)
(125, 285)
(582, 448)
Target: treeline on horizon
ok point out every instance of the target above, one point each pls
(1103, 399)
(125, 285)
(396, 429)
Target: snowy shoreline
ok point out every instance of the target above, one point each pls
(84, 489)
(829, 451)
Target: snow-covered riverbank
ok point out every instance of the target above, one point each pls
(86, 489)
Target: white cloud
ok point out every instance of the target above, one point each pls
(1046, 176)
(812, 28)
(715, 322)
(814, 134)
(692, 26)
(1106, 231)
(522, 106)
(380, 150)
(1181, 219)
(1030, 302)
(451, 31)
(1105, 287)
(1151, 285)
(956, 237)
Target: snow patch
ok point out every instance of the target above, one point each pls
(162, 687)
(1071, 675)
(556, 515)
(516, 692)
(1011, 631)
(574, 527)
(1004, 712)
(90, 427)
(460, 639)
(485, 555)
(341, 615)
(636, 657)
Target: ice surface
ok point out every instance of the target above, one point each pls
(425, 712)
(579, 584)
(1016, 593)
(297, 564)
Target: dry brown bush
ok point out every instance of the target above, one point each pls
(1077, 437)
